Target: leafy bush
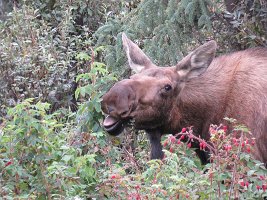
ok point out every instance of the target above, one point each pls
(36, 159)
(232, 173)
(93, 85)
(50, 49)
(39, 42)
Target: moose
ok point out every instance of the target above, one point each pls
(198, 91)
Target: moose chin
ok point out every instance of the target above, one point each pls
(198, 91)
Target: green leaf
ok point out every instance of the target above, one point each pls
(83, 56)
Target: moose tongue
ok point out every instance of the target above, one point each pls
(109, 121)
(113, 126)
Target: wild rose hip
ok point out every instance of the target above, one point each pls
(242, 183)
(201, 145)
(8, 163)
(258, 187)
(179, 141)
(165, 143)
(172, 139)
(247, 184)
(227, 147)
(204, 145)
(234, 140)
(189, 145)
(182, 137)
(183, 130)
(137, 187)
(252, 142)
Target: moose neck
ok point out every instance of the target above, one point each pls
(199, 104)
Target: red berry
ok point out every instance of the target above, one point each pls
(264, 187)
(113, 176)
(242, 183)
(204, 145)
(183, 130)
(179, 141)
(248, 149)
(172, 139)
(187, 196)
(201, 145)
(258, 187)
(225, 128)
(171, 150)
(262, 177)
(189, 145)
(234, 140)
(213, 131)
(165, 143)
(137, 187)
(227, 147)
(8, 163)
(182, 137)
(243, 144)
(247, 183)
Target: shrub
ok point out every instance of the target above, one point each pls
(36, 159)
(232, 173)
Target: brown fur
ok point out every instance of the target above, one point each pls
(204, 90)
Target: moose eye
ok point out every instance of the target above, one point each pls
(167, 87)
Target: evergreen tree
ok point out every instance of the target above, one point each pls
(168, 29)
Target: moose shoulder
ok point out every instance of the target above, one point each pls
(200, 90)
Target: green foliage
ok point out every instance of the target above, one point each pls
(53, 51)
(164, 29)
(42, 158)
(36, 160)
(243, 27)
(36, 61)
(232, 174)
(167, 30)
(96, 82)
(39, 41)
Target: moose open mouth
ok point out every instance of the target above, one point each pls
(113, 126)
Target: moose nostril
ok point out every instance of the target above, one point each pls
(110, 109)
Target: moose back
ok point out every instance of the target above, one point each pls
(198, 91)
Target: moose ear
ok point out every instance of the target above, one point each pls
(197, 62)
(136, 57)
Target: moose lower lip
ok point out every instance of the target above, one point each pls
(113, 126)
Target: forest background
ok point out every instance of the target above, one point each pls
(58, 57)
